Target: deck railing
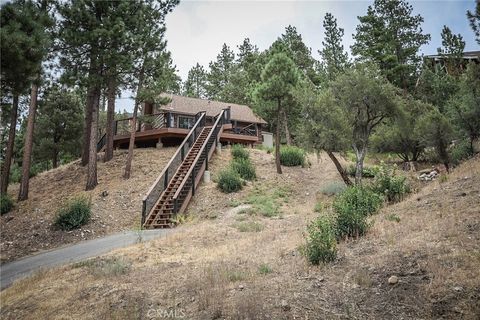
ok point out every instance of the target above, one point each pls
(249, 130)
(195, 171)
(161, 183)
(143, 123)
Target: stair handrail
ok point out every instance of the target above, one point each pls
(214, 130)
(146, 207)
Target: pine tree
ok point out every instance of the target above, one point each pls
(474, 19)
(195, 85)
(244, 75)
(464, 107)
(59, 125)
(153, 68)
(452, 51)
(297, 51)
(390, 36)
(40, 13)
(279, 79)
(219, 75)
(121, 20)
(248, 60)
(20, 31)
(334, 58)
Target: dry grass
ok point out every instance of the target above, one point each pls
(211, 270)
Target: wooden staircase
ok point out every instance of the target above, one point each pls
(171, 192)
(163, 213)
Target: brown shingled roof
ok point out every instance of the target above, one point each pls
(188, 105)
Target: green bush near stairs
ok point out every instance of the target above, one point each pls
(244, 168)
(229, 181)
(239, 152)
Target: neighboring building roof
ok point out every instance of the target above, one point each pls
(466, 55)
(192, 106)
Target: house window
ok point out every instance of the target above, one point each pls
(185, 122)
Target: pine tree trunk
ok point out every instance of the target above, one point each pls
(10, 144)
(28, 145)
(110, 119)
(287, 132)
(55, 159)
(128, 165)
(88, 125)
(340, 169)
(277, 140)
(92, 158)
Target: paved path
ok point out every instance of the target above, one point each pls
(12, 271)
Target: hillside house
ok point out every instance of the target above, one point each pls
(169, 124)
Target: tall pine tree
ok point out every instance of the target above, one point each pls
(452, 51)
(219, 75)
(334, 57)
(474, 19)
(391, 36)
(279, 80)
(22, 38)
(195, 85)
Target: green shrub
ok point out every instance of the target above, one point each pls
(367, 172)
(239, 152)
(352, 208)
(6, 203)
(265, 269)
(244, 168)
(318, 207)
(460, 151)
(393, 187)
(73, 214)
(321, 243)
(16, 172)
(265, 204)
(229, 181)
(292, 156)
(248, 226)
(333, 188)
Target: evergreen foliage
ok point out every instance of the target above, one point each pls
(195, 85)
(334, 57)
(6, 204)
(59, 126)
(390, 36)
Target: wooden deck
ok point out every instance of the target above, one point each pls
(154, 128)
(165, 128)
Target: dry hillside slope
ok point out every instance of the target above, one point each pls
(28, 227)
(239, 264)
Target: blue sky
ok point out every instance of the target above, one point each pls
(196, 30)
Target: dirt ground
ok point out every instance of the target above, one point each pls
(214, 269)
(28, 227)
